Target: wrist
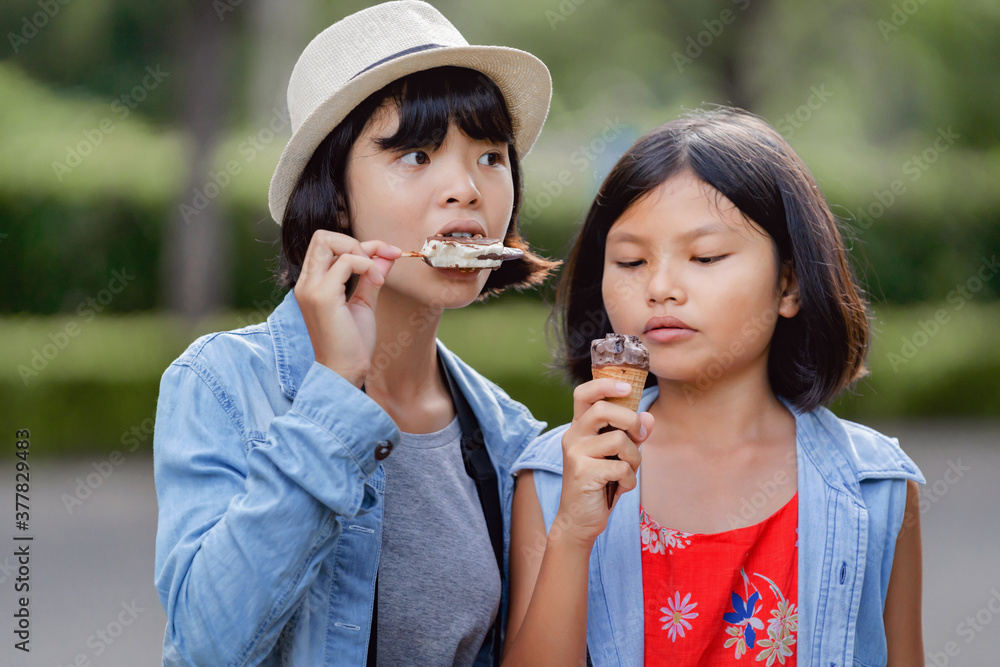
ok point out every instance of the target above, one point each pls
(567, 535)
(355, 376)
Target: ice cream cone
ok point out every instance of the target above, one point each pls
(636, 377)
(625, 359)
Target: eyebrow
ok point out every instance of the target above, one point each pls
(704, 230)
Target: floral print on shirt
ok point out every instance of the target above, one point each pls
(723, 598)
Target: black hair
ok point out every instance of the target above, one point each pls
(815, 354)
(428, 102)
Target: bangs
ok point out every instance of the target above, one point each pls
(430, 101)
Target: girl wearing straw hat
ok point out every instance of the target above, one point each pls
(334, 484)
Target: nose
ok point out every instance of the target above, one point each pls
(458, 184)
(665, 284)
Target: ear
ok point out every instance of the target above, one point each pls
(788, 286)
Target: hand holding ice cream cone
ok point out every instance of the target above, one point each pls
(625, 359)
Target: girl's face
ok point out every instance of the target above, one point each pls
(699, 285)
(402, 197)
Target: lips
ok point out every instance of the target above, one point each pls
(665, 322)
(462, 227)
(667, 329)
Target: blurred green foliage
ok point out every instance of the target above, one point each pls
(861, 89)
(892, 104)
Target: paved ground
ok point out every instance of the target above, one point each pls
(93, 601)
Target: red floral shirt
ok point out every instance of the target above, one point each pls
(721, 599)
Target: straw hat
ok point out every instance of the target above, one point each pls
(364, 52)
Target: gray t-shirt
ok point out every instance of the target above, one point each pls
(439, 587)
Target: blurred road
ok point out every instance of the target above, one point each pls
(93, 601)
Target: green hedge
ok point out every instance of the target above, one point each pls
(97, 381)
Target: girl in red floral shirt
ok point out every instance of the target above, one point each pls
(711, 242)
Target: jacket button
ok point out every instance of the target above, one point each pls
(382, 449)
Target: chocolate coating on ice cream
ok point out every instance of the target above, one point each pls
(619, 350)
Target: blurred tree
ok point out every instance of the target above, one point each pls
(195, 269)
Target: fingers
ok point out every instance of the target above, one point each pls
(328, 249)
(589, 393)
(382, 256)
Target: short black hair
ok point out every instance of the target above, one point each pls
(428, 102)
(815, 354)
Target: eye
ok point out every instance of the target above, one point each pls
(491, 159)
(633, 264)
(415, 158)
(709, 259)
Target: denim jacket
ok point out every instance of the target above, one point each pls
(852, 493)
(270, 497)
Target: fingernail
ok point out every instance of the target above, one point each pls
(623, 387)
(642, 430)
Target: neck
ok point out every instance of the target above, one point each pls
(723, 415)
(404, 363)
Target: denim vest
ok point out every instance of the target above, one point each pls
(852, 494)
(270, 497)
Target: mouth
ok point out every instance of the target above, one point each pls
(666, 322)
(463, 229)
(667, 330)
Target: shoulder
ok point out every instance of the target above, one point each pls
(869, 454)
(238, 368)
(544, 453)
(229, 348)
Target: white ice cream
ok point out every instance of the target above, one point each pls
(454, 254)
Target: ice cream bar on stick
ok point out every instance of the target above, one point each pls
(625, 359)
(467, 253)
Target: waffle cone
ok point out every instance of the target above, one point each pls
(636, 377)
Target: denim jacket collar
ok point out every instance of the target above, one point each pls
(506, 424)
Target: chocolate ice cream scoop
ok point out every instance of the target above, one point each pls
(619, 350)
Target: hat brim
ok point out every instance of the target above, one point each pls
(521, 77)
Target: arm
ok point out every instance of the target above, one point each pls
(241, 535)
(547, 624)
(559, 567)
(902, 616)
